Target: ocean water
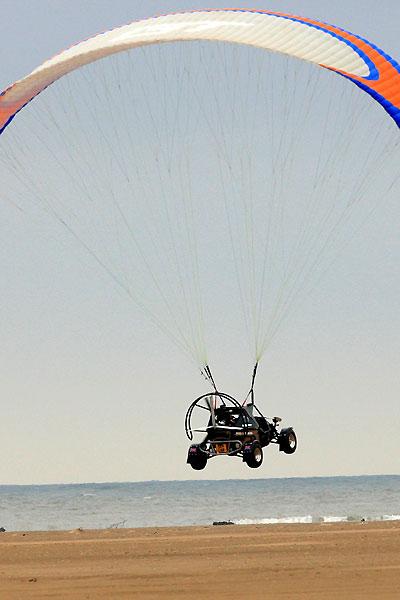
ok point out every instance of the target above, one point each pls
(165, 503)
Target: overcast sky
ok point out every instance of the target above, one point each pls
(86, 397)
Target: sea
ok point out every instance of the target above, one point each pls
(178, 503)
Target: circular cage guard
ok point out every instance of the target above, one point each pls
(210, 403)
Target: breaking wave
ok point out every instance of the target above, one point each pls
(314, 519)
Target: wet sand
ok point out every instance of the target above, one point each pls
(346, 561)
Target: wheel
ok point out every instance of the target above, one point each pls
(253, 455)
(198, 463)
(288, 441)
(197, 459)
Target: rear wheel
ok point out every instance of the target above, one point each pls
(253, 455)
(288, 441)
(198, 462)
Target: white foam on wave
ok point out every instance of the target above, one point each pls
(274, 520)
(310, 519)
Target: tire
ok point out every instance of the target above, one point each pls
(288, 441)
(198, 462)
(253, 455)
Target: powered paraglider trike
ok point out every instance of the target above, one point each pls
(234, 429)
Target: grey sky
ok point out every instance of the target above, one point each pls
(86, 397)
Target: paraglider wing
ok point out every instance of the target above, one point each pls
(181, 168)
(326, 45)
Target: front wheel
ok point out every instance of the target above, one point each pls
(253, 455)
(288, 441)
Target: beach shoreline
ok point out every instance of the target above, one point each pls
(327, 560)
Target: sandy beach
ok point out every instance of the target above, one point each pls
(347, 560)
